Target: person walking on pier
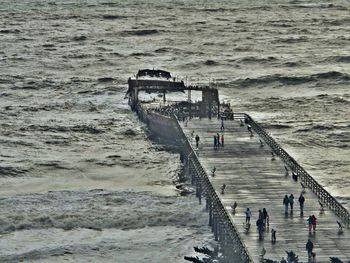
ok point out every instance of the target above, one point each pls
(248, 215)
(223, 187)
(215, 142)
(314, 222)
(265, 218)
(260, 225)
(309, 223)
(286, 203)
(301, 203)
(309, 247)
(222, 128)
(273, 235)
(291, 202)
(197, 140)
(222, 140)
(218, 139)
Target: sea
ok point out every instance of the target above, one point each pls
(80, 181)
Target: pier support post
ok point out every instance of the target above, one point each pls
(200, 192)
(210, 213)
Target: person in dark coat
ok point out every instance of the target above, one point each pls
(291, 202)
(314, 222)
(301, 203)
(309, 247)
(265, 217)
(286, 203)
(260, 225)
(197, 140)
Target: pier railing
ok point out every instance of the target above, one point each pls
(325, 198)
(222, 225)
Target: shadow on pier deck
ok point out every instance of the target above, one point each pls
(256, 181)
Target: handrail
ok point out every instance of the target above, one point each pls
(325, 197)
(210, 190)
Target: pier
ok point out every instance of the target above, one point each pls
(257, 173)
(256, 179)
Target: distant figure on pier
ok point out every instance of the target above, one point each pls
(222, 128)
(314, 222)
(248, 215)
(218, 139)
(295, 176)
(197, 140)
(223, 187)
(309, 247)
(261, 215)
(266, 218)
(260, 225)
(213, 171)
(222, 140)
(291, 202)
(301, 203)
(234, 206)
(250, 130)
(215, 142)
(273, 235)
(286, 203)
(309, 222)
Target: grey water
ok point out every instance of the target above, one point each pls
(79, 179)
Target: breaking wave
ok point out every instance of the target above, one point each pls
(294, 80)
(97, 209)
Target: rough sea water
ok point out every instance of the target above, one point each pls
(79, 179)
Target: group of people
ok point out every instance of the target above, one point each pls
(312, 222)
(288, 201)
(262, 223)
(218, 141)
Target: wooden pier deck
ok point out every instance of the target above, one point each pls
(256, 181)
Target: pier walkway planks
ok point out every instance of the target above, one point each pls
(256, 181)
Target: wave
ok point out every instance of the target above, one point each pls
(141, 54)
(10, 31)
(113, 17)
(210, 62)
(141, 32)
(176, 51)
(98, 209)
(294, 80)
(105, 79)
(325, 127)
(75, 128)
(290, 40)
(276, 126)
(79, 38)
(12, 171)
(340, 59)
(253, 59)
